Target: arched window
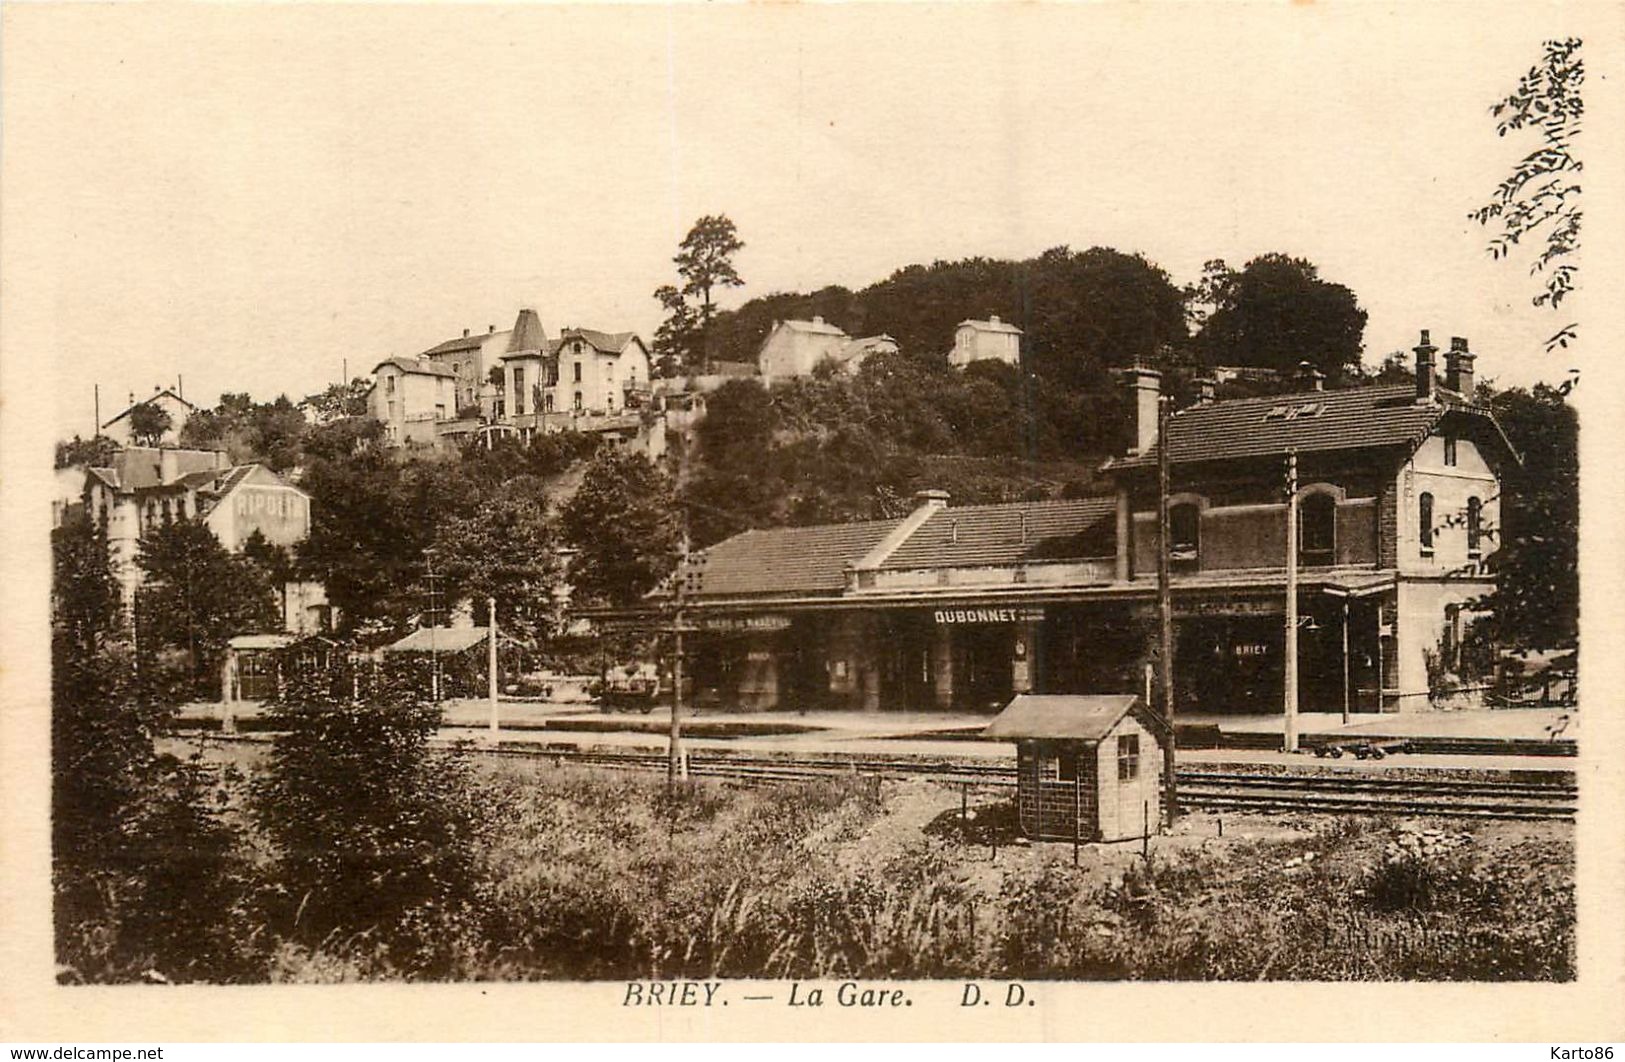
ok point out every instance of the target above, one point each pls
(1317, 529)
(1184, 532)
(1475, 514)
(1424, 520)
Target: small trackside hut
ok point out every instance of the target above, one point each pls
(1088, 768)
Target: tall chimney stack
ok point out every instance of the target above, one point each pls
(1311, 378)
(1424, 368)
(1147, 387)
(1458, 368)
(1207, 390)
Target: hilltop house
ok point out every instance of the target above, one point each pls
(796, 348)
(991, 339)
(411, 396)
(178, 408)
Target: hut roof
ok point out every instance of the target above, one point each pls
(1061, 717)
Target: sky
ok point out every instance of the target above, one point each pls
(255, 198)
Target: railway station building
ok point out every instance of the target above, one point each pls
(962, 607)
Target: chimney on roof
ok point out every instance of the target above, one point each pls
(936, 499)
(1424, 368)
(817, 320)
(1146, 385)
(1207, 389)
(490, 329)
(1458, 367)
(465, 333)
(993, 320)
(1310, 377)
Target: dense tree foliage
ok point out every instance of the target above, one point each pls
(340, 400)
(148, 423)
(1541, 197)
(1536, 603)
(95, 452)
(1275, 313)
(505, 550)
(195, 595)
(374, 834)
(146, 877)
(623, 524)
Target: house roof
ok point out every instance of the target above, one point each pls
(606, 342)
(973, 535)
(819, 327)
(165, 393)
(994, 325)
(261, 641)
(787, 559)
(866, 345)
(527, 333)
(461, 344)
(439, 640)
(1359, 418)
(1060, 717)
(420, 366)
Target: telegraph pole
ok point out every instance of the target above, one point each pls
(491, 660)
(1291, 662)
(674, 751)
(434, 655)
(1165, 609)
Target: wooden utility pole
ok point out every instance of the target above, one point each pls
(491, 660)
(674, 753)
(1291, 662)
(1347, 692)
(1165, 611)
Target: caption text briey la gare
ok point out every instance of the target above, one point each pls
(856, 994)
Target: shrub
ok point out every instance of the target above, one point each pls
(375, 837)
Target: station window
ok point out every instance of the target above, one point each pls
(1184, 532)
(1066, 765)
(1128, 757)
(1475, 516)
(1424, 521)
(1317, 530)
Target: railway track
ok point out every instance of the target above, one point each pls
(1329, 793)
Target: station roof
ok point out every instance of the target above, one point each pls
(974, 535)
(1309, 421)
(787, 559)
(1061, 717)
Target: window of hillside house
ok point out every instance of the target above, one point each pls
(1450, 450)
(1066, 765)
(1184, 532)
(389, 385)
(518, 392)
(609, 400)
(439, 411)
(578, 372)
(1424, 520)
(1128, 757)
(1475, 516)
(547, 402)
(577, 405)
(1317, 529)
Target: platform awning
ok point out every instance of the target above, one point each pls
(438, 640)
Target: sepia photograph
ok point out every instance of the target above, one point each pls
(925, 509)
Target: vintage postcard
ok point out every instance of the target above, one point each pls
(812, 522)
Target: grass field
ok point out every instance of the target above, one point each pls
(597, 875)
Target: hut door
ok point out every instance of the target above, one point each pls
(1131, 810)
